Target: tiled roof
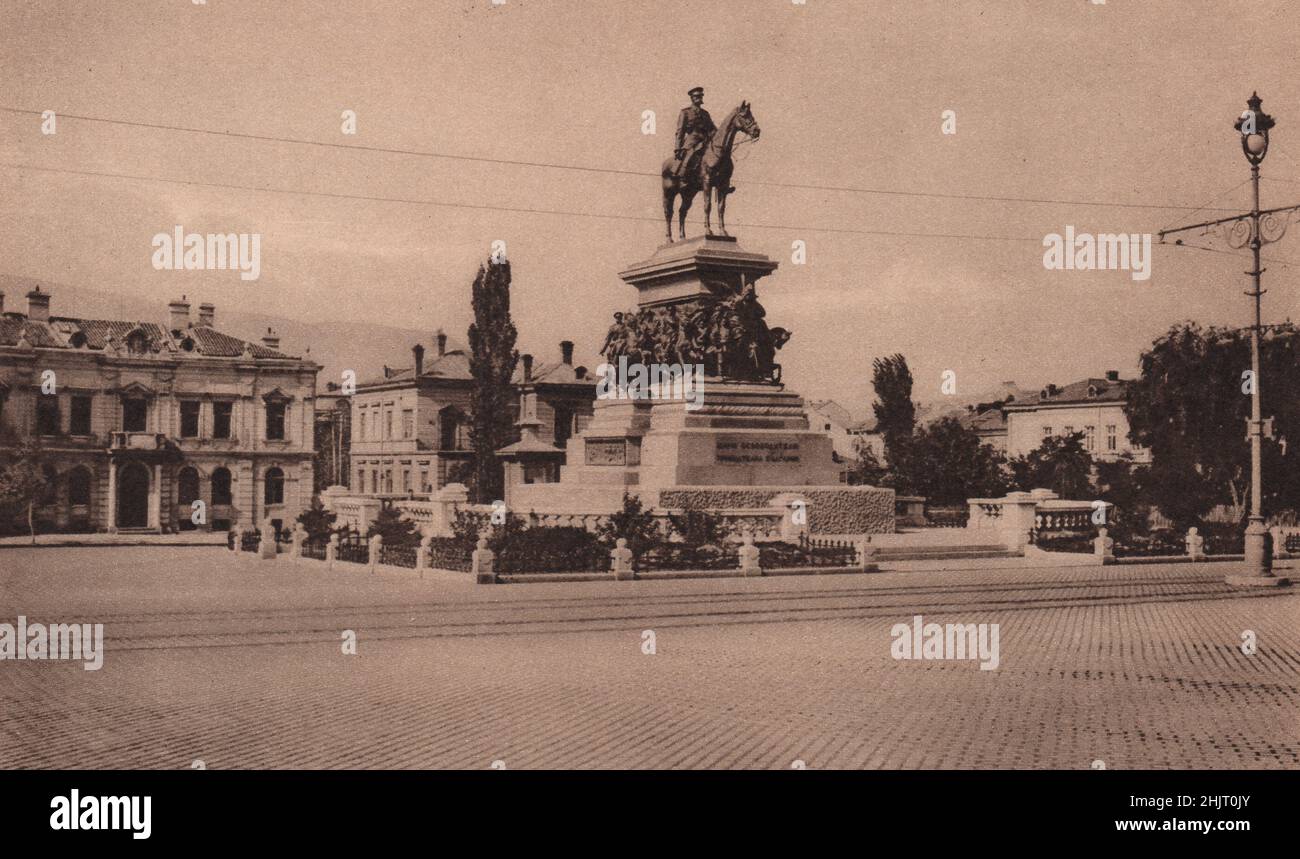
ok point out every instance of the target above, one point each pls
(989, 420)
(61, 332)
(454, 365)
(1084, 391)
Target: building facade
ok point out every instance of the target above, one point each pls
(411, 427)
(138, 421)
(1094, 407)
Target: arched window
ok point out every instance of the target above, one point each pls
(187, 486)
(79, 487)
(221, 486)
(137, 342)
(274, 486)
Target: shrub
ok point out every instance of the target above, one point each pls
(550, 550)
(395, 530)
(317, 521)
(633, 523)
(699, 528)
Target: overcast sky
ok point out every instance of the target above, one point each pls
(1123, 102)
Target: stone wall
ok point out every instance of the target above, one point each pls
(831, 510)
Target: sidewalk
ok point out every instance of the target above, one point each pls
(184, 538)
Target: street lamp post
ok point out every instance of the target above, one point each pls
(1256, 228)
(1254, 125)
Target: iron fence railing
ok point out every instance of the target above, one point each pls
(448, 553)
(398, 556)
(808, 552)
(353, 548)
(679, 556)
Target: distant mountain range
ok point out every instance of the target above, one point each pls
(354, 345)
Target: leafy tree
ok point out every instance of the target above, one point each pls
(947, 463)
(395, 530)
(22, 478)
(317, 521)
(492, 360)
(1060, 463)
(867, 471)
(895, 412)
(1190, 406)
(634, 523)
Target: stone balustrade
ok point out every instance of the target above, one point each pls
(1039, 511)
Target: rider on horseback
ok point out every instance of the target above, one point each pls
(694, 129)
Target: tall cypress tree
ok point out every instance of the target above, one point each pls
(492, 360)
(895, 411)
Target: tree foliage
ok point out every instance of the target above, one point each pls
(1061, 463)
(492, 360)
(1190, 406)
(895, 412)
(22, 479)
(947, 463)
(633, 523)
(395, 530)
(868, 471)
(317, 521)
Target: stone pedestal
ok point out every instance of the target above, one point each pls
(728, 444)
(696, 268)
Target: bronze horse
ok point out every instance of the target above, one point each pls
(711, 173)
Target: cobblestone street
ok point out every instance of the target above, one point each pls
(239, 663)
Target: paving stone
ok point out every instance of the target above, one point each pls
(238, 663)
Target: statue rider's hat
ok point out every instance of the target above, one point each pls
(699, 90)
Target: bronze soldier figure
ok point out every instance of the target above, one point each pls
(694, 129)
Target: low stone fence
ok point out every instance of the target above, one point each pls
(1022, 517)
(747, 559)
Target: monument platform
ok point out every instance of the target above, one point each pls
(744, 447)
(739, 445)
(705, 266)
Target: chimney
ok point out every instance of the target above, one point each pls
(180, 314)
(528, 367)
(418, 351)
(1112, 375)
(2, 302)
(270, 339)
(442, 343)
(207, 315)
(566, 351)
(38, 305)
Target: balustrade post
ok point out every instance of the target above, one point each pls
(621, 561)
(481, 563)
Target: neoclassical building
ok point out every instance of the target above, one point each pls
(138, 420)
(410, 427)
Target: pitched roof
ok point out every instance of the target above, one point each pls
(986, 421)
(454, 365)
(833, 410)
(65, 332)
(1083, 391)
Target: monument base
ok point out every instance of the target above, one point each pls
(743, 450)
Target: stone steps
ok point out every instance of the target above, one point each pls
(943, 553)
